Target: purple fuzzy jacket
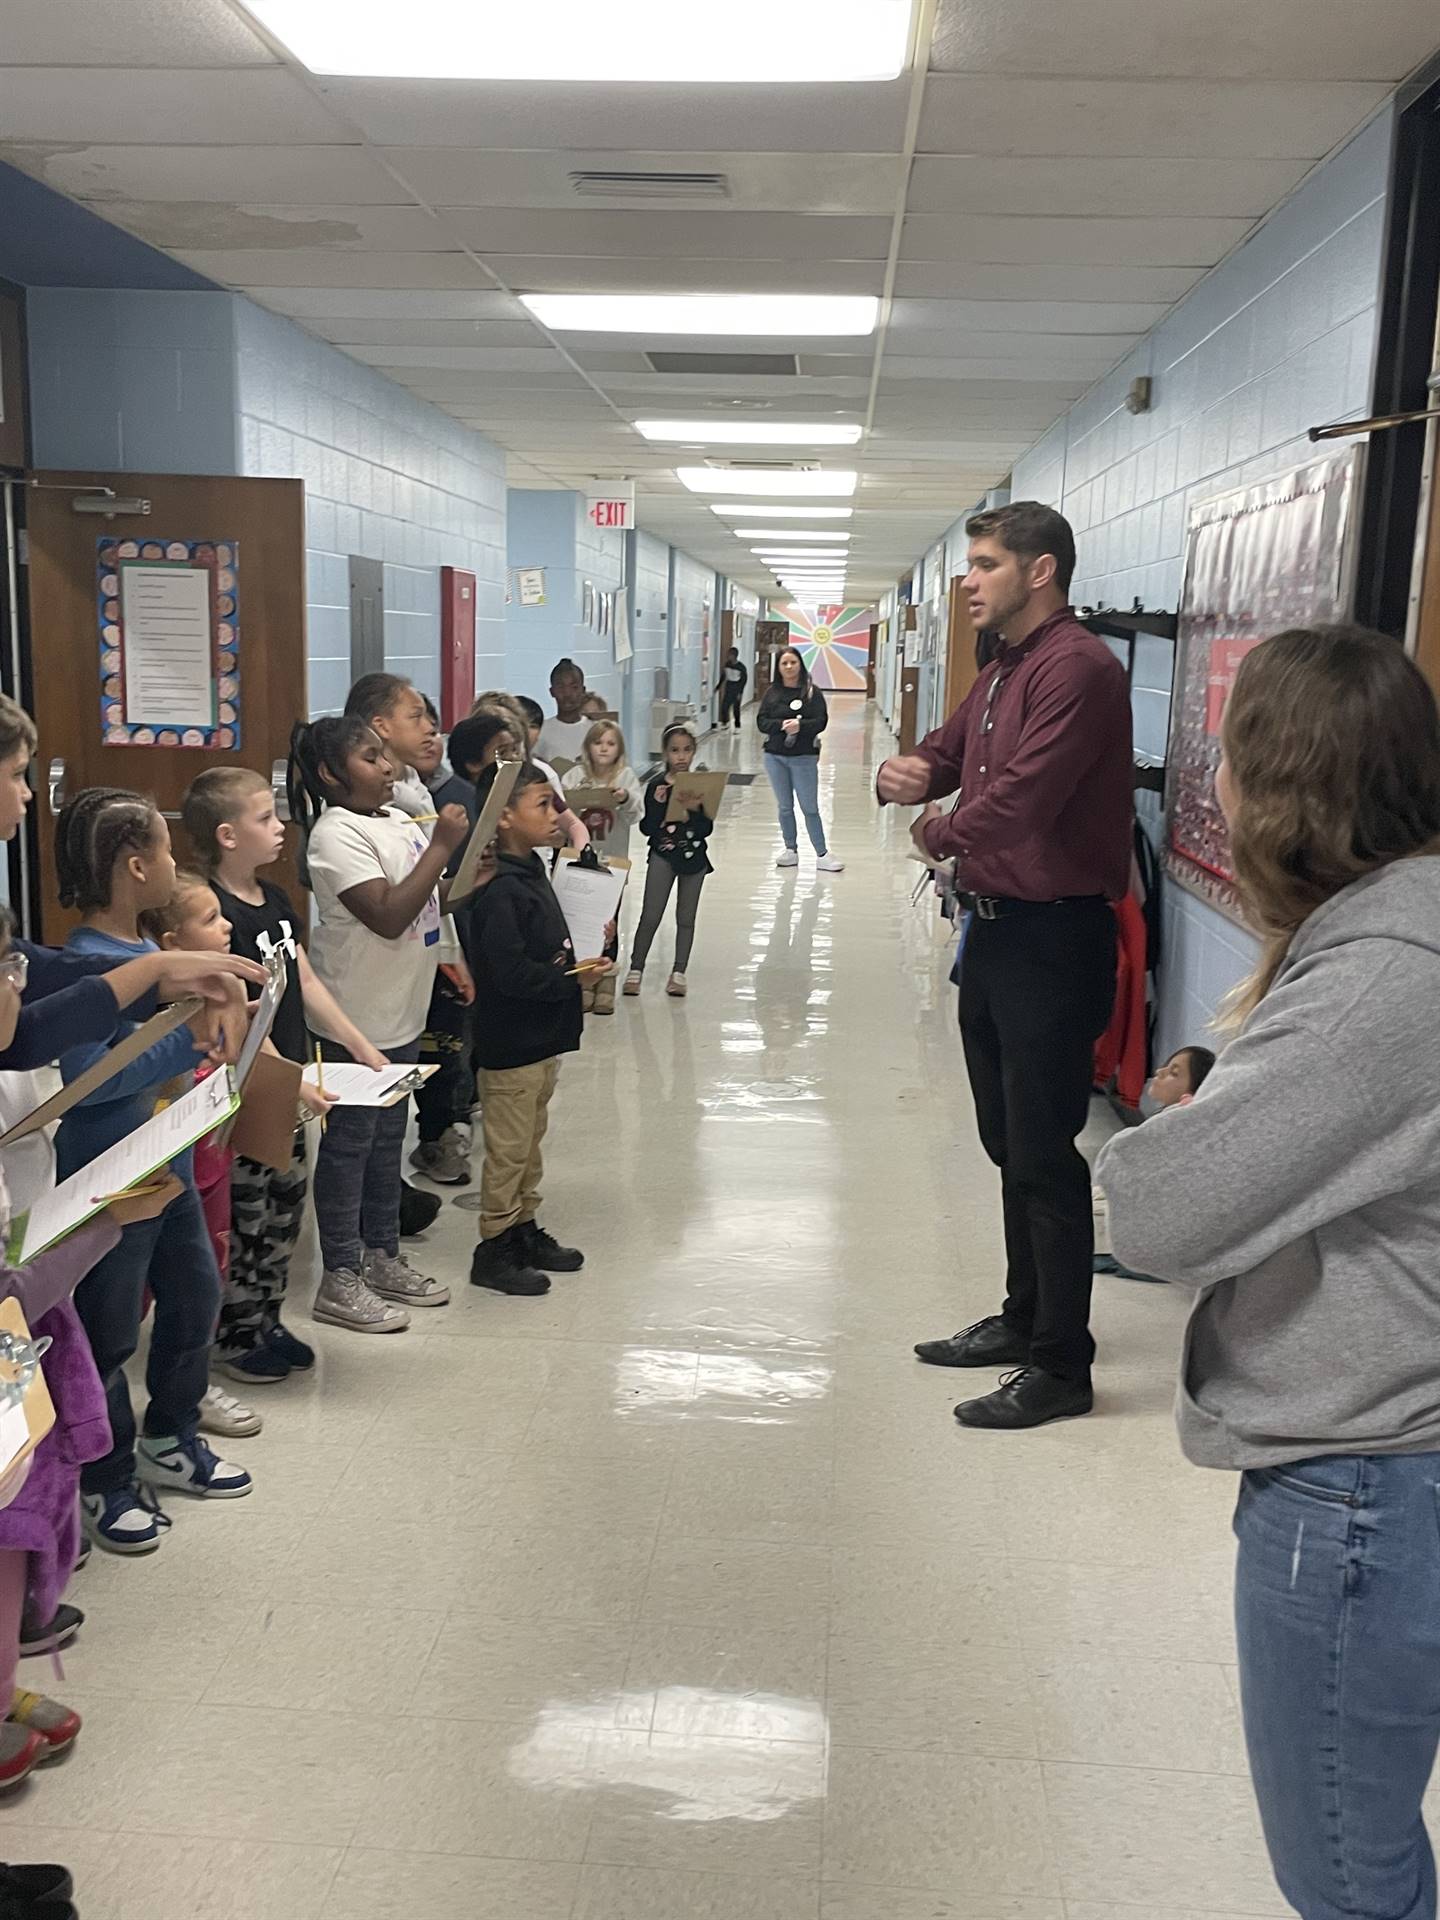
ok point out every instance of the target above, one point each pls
(42, 1521)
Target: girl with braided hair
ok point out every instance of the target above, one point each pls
(113, 861)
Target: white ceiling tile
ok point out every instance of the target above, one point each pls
(315, 267)
(1031, 348)
(814, 183)
(401, 362)
(344, 332)
(205, 224)
(141, 33)
(999, 367)
(1132, 187)
(388, 303)
(711, 235)
(527, 116)
(908, 317)
(1178, 39)
(1259, 119)
(1092, 242)
(533, 273)
(1076, 281)
(321, 176)
(132, 104)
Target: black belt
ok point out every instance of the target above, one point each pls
(994, 906)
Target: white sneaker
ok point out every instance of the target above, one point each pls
(675, 986)
(827, 863)
(789, 858)
(392, 1277)
(222, 1413)
(344, 1300)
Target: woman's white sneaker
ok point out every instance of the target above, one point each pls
(827, 863)
(789, 858)
(222, 1413)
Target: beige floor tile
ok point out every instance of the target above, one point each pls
(1106, 1910)
(596, 1572)
(99, 1782)
(726, 1682)
(119, 1652)
(936, 1822)
(1150, 1840)
(904, 1903)
(545, 1494)
(727, 1806)
(1112, 1513)
(344, 1659)
(751, 1502)
(375, 1885)
(259, 1774)
(646, 1893)
(914, 1690)
(405, 1478)
(1182, 1611)
(702, 1580)
(1114, 1711)
(513, 1671)
(150, 1876)
(964, 1599)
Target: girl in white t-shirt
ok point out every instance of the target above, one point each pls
(377, 885)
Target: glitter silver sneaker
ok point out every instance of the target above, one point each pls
(393, 1278)
(344, 1300)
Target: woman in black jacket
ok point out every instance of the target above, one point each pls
(792, 717)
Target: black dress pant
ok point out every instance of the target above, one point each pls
(1036, 991)
(730, 706)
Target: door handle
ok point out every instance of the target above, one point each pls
(279, 789)
(56, 785)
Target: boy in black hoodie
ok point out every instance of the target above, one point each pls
(527, 1013)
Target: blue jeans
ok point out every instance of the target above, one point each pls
(174, 1258)
(358, 1173)
(797, 777)
(1337, 1611)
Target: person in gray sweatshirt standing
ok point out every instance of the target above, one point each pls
(1299, 1197)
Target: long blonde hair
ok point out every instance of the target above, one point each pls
(1333, 743)
(602, 727)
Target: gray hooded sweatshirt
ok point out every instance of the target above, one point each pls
(1300, 1195)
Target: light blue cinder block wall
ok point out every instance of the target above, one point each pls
(693, 606)
(548, 528)
(648, 567)
(387, 477)
(1277, 339)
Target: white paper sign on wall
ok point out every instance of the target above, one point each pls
(531, 582)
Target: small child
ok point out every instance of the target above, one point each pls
(1173, 1085)
(527, 721)
(374, 873)
(528, 1013)
(113, 863)
(603, 763)
(678, 859)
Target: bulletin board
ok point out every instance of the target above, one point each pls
(168, 613)
(1258, 561)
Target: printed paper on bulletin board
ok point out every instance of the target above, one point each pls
(168, 613)
(1256, 562)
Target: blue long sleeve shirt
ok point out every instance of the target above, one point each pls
(64, 1003)
(126, 1101)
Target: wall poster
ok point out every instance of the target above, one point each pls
(169, 619)
(1258, 561)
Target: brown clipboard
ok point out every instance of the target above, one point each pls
(39, 1407)
(481, 835)
(593, 799)
(105, 1068)
(691, 790)
(264, 1127)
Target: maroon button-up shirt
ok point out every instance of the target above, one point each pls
(1040, 750)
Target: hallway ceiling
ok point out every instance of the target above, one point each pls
(1026, 202)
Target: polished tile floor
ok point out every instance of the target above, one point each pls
(679, 1595)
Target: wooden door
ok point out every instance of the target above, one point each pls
(265, 521)
(870, 660)
(909, 707)
(959, 650)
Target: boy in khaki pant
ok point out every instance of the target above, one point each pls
(527, 1013)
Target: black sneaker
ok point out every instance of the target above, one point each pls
(543, 1250)
(36, 1885)
(989, 1343)
(284, 1345)
(500, 1264)
(417, 1210)
(52, 1636)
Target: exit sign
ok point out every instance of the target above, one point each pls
(611, 512)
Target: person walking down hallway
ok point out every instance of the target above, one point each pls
(734, 678)
(792, 717)
(1041, 843)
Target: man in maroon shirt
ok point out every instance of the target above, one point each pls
(1040, 754)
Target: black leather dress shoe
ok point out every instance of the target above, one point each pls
(1027, 1398)
(989, 1343)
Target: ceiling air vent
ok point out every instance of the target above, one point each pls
(601, 183)
(764, 466)
(721, 363)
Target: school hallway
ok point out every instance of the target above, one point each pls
(679, 1592)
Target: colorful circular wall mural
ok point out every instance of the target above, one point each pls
(834, 643)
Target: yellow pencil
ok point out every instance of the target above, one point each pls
(320, 1080)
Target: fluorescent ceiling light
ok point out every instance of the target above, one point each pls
(753, 433)
(717, 480)
(745, 41)
(787, 533)
(770, 510)
(805, 556)
(781, 315)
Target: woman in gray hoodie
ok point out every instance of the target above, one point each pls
(1299, 1197)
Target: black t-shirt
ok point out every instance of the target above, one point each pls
(256, 933)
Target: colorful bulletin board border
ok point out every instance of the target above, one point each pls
(221, 559)
(1257, 561)
(834, 643)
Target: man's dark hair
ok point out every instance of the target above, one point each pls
(532, 709)
(1200, 1060)
(1028, 529)
(469, 739)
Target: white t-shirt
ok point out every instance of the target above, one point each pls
(563, 739)
(383, 985)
